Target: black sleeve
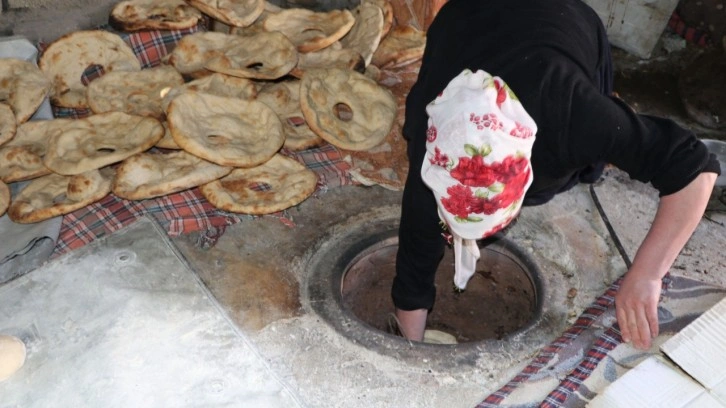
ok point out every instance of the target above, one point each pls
(650, 149)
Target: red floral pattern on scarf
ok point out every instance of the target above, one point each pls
(439, 158)
(487, 120)
(512, 173)
(521, 131)
(431, 134)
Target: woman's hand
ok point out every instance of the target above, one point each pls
(678, 215)
(636, 307)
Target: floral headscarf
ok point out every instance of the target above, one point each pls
(479, 143)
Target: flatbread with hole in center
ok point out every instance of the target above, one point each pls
(136, 93)
(136, 15)
(22, 158)
(310, 30)
(227, 131)
(53, 195)
(259, 56)
(284, 98)
(334, 56)
(67, 58)
(193, 51)
(148, 175)
(402, 46)
(367, 31)
(347, 109)
(276, 185)
(237, 13)
(100, 140)
(23, 86)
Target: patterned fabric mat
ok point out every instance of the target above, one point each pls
(590, 355)
(184, 212)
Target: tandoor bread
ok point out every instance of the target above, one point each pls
(7, 123)
(4, 198)
(347, 109)
(23, 86)
(66, 59)
(22, 158)
(334, 56)
(237, 13)
(193, 51)
(367, 31)
(136, 15)
(148, 175)
(223, 85)
(278, 184)
(260, 56)
(215, 84)
(167, 141)
(387, 9)
(53, 195)
(387, 164)
(227, 131)
(310, 30)
(136, 93)
(402, 46)
(100, 140)
(284, 98)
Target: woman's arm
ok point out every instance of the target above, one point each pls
(678, 215)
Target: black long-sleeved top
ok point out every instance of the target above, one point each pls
(551, 53)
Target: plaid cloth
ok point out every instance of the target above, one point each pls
(187, 211)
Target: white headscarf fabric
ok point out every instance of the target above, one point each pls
(479, 143)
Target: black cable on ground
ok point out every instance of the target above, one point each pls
(610, 228)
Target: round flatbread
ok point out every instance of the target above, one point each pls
(310, 30)
(402, 46)
(334, 56)
(387, 10)
(136, 15)
(66, 59)
(193, 51)
(4, 198)
(100, 140)
(149, 175)
(24, 87)
(237, 13)
(284, 99)
(8, 126)
(22, 158)
(259, 56)
(367, 31)
(135, 93)
(347, 109)
(215, 84)
(227, 131)
(167, 141)
(53, 195)
(278, 184)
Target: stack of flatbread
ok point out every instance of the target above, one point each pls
(218, 114)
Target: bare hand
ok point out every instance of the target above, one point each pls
(636, 307)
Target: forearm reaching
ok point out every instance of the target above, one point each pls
(677, 217)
